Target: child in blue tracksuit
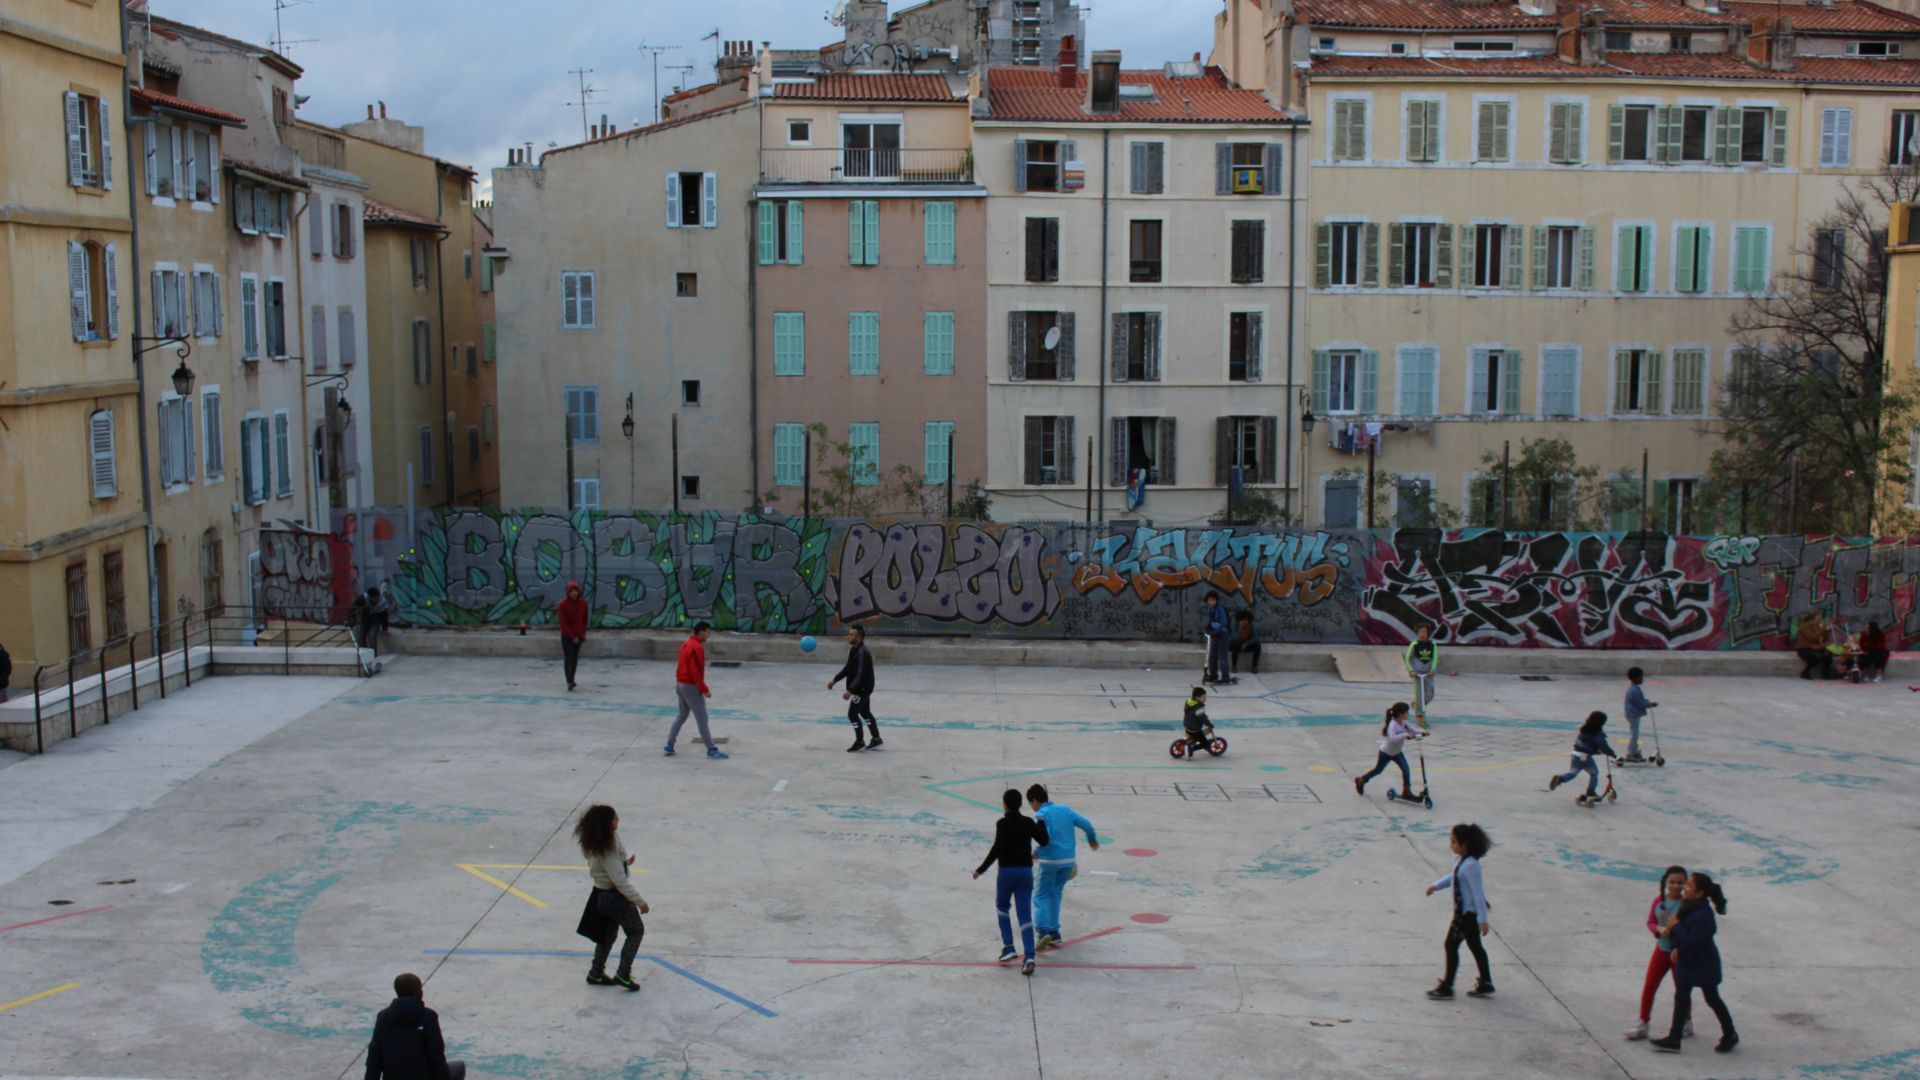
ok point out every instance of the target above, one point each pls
(1469, 844)
(1217, 629)
(1637, 708)
(1054, 861)
(1591, 741)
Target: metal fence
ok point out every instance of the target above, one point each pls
(834, 165)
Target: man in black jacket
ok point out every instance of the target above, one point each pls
(406, 1039)
(858, 672)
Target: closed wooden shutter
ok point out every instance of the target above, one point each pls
(1222, 450)
(350, 349)
(1255, 358)
(710, 200)
(1166, 444)
(1020, 180)
(768, 233)
(1223, 168)
(1443, 256)
(1370, 257)
(1118, 475)
(1063, 431)
(106, 481)
(1065, 352)
(1510, 379)
(80, 305)
(110, 261)
(796, 230)
(1117, 348)
(1017, 347)
(76, 141)
(1151, 324)
(1369, 382)
(317, 338)
(1035, 434)
(1586, 258)
(1322, 255)
(673, 200)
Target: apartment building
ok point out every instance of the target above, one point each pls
(73, 572)
(1142, 290)
(620, 277)
(869, 286)
(1536, 222)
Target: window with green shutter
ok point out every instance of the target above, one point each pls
(1633, 258)
(863, 343)
(1637, 382)
(1693, 259)
(940, 233)
(789, 343)
(781, 229)
(1419, 373)
(863, 232)
(789, 455)
(938, 357)
(939, 440)
(1493, 134)
(1423, 130)
(1689, 382)
(1566, 132)
(1349, 129)
(1750, 258)
(863, 459)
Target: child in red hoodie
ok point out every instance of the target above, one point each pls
(572, 616)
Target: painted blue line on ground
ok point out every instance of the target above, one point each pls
(675, 968)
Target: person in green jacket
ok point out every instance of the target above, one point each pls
(1423, 661)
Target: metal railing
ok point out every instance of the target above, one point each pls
(834, 165)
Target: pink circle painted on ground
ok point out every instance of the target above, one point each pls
(1141, 852)
(1151, 917)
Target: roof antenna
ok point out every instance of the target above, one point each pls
(280, 42)
(586, 95)
(656, 50)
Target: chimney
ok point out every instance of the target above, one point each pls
(1770, 42)
(1583, 38)
(1068, 71)
(1103, 84)
(383, 110)
(369, 112)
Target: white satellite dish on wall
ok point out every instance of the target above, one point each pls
(1052, 340)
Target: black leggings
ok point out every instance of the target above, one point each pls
(628, 921)
(1683, 1009)
(1465, 927)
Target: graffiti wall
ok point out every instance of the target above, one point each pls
(304, 575)
(788, 575)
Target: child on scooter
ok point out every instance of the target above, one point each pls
(1590, 741)
(1637, 707)
(1394, 734)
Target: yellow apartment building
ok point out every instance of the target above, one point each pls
(73, 569)
(1901, 503)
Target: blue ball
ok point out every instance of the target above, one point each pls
(807, 644)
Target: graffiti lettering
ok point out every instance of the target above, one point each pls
(1305, 567)
(911, 571)
(1727, 552)
(296, 575)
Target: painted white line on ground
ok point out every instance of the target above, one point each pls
(176, 887)
(781, 786)
(1106, 873)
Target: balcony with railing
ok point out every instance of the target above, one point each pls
(834, 165)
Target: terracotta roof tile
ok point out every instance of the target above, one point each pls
(696, 91)
(1421, 15)
(1028, 93)
(1845, 16)
(1806, 69)
(385, 213)
(271, 175)
(868, 88)
(698, 114)
(154, 99)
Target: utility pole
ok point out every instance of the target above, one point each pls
(586, 96)
(655, 51)
(1645, 490)
(1506, 484)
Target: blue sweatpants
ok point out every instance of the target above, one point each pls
(1586, 765)
(1047, 891)
(1015, 884)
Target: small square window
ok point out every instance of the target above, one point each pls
(1326, 44)
(1398, 48)
(686, 284)
(799, 132)
(689, 487)
(690, 391)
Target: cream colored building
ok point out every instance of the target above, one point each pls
(73, 569)
(1533, 222)
(338, 441)
(1165, 344)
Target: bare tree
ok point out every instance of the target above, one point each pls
(1811, 429)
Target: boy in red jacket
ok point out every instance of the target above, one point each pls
(572, 616)
(690, 684)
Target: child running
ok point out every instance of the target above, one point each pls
(1013, 838)
(1591, 741)
(1666, 905)
(1696, 962)
(1469, 844)
(1637, 707)
(1394, 734)
(1423, 661)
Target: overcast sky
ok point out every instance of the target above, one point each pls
(483, 75)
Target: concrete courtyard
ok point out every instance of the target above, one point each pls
(225, 885)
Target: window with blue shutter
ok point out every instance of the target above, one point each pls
(863, 437)
(789, 343)
(939, 437)
(939, 343)
(789, 455)
(863, 343)
(1418, 372)
(940, 233)
(863, 232)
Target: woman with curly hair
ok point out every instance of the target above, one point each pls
(614, 897)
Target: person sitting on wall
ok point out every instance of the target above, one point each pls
(1245, 640)
(1811, 645)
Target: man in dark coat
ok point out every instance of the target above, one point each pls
(572, 616)
(406, 1039)
(858, 671)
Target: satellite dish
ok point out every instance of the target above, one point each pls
(1052, 340)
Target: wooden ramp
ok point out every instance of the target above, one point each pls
(1369, 665)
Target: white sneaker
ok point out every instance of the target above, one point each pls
(1637, 1032)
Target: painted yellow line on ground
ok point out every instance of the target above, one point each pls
(479, 870)
(41, 996)
(1321, 768)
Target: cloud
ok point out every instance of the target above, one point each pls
(484, 75)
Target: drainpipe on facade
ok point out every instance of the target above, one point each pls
(1293, 289)
(446, 369)
(753, 320)
(1100, 358)
(139, 365)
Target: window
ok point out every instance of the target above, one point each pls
(1343, 381)
(1423, 130)
(466, 265)
(938, 457)
(89, 142)
(799, 133)
(1493, 136)
(1696, 127)
(1693, 258)
(1037, 164)
(1136, 347)
(1562, 257)
(215, 437)
(422, 353)
(113, 578)
(1619, 41)
(937, 354)
(1836, 138)
(1422, 255)
(1345, 254)
(1560, 381)
(1493, 382)
(782, 226)
(1743, 391)
(693, 200)
(1141, 443)
(1903, 147)
(1247, 168)
(206, 304)
(1631, 133)
(1754, 125)
(1413, 503)
(1566, 133)
(689, 487)
(690, 393)
(282, 455)
(79, 619)
(577, 299)
(1495, 256)
(473, 446)
(1340, 502)
(343, 231)
(586, 493)
(270, 210)
(583, 414)
(256, 463)
(863, 232)
(1247, 262)
(1246, 443)
(1049, 450)
(869, 149)
(1636, 382)
(1689, 382)
(176, 442)
(213, 565)
(169, 304)
(276, 318)
(426, 456)
(1419, 381)
(940, 218)
(1470, 45)
(789, 343)
(163, 160)
(1327, 44)
(1673, 506)
(420, 260)
(473, 361)
(686, 285)
(100, 448)
(1829, 259)
(1043, 249)
(863, 459)
(1147, 171)
(317, 338)
(1143, 247)
(489, 343)
(1874, 48)
(1633, 258)
(789, 455)
(1751, 256)
(205, 175)
(863, 343)
(1350, 129)
(93, 278)
(1040, 346)
(1246, 356)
